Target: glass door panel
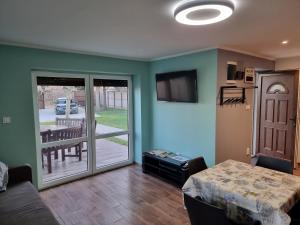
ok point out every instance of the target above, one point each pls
(81, 119)
(111, 106)
(62, 109)
(111, 150)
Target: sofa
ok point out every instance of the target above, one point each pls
(21, 203)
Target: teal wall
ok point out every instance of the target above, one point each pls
(187, 128)
(17, 140)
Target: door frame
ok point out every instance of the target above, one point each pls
(129, 132)
(91, 150)
(257, 104)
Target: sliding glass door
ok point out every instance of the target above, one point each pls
(83, 124)
(112, 114)
(62, 124)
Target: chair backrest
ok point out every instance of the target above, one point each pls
(201, 212)
(196, 165)
(281, 165)
(72, 122)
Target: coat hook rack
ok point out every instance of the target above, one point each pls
(233, 94)
(251, 87)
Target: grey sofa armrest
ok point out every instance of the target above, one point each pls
(19, 174)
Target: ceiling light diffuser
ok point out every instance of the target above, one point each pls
(184, 10)
(285, 42)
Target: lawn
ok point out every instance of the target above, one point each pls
(47, 123)
(118, 140)
(113, 117)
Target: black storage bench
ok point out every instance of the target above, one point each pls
(170, 169)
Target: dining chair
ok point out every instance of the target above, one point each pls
(294, 213)
(202, 213)
(70, 133)
(196, 165)
(273, 163)
(75, 122)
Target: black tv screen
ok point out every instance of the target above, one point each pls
(179, 86)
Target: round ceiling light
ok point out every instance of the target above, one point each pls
(199, 12)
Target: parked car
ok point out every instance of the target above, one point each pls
(60, 106)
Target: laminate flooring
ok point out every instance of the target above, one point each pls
(125, 196)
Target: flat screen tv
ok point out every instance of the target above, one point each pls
(178, 86)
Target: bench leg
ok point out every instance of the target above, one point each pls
(49, 162)
(43, 164)
(63, 155)
(56, 154)
(79, 151)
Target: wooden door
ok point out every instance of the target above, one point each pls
(277, 117)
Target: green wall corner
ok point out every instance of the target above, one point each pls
(187, 128)
(17, 142)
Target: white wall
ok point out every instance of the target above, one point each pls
(235, 122)
(288, 63)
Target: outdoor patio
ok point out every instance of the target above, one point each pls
(107, 153)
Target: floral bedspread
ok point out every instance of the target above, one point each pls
(247, 193)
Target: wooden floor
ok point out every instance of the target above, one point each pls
(124, 196)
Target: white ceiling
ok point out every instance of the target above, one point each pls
(145, 29)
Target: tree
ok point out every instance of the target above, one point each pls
(69, 92)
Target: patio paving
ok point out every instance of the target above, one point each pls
(107, 153)
(46, 115)
(103, 129)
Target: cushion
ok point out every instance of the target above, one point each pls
(3, 176)
(22, 205)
